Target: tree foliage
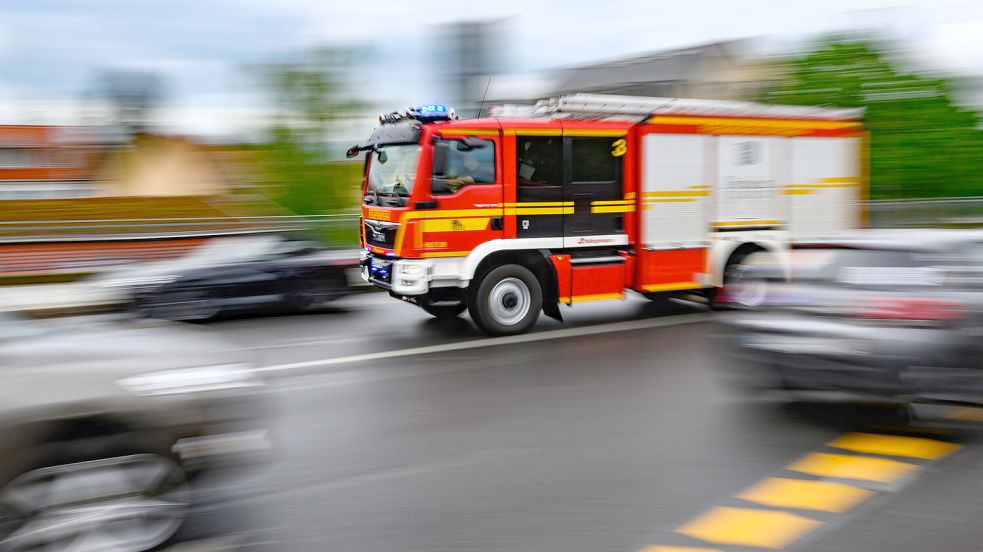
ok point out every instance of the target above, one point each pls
(922, 144)
(309, 93)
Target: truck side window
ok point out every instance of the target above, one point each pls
(539, 168)
(593, 161)
(466, 165)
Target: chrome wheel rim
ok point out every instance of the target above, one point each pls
(509, 301)
(742, 291)
(125, 504)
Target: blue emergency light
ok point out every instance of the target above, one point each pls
(425, 113)
(434, 112)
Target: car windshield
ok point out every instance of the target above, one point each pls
(392, 171)
(233, 249)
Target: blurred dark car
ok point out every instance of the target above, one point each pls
(103, 427)
(894, 315)
(260, 274)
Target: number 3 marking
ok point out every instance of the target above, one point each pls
(619, 148)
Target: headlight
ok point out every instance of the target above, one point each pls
(192, 380)
(414, 269)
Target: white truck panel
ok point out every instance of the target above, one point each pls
(675, 190)
(824, 197)
(748, 179)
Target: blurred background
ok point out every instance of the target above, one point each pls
(226, 116)
(133, 134)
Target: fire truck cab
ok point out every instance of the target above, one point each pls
(583, 197)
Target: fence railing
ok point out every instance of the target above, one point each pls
(953, 211)
(965, 211)
(120, 229)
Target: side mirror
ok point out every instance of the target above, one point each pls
(352, 152)
(441, 156)
(474, 143)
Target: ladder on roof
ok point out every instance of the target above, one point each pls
(602, 106)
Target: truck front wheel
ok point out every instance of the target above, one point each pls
(507, 301)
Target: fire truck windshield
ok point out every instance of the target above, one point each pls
(392, 171)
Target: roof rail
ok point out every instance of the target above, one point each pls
(602, 106)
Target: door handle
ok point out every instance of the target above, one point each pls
(497, 223)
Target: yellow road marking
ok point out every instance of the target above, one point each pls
(677, 549)
(749, 527)
(895, 445)
(863, 468)
(823, 496)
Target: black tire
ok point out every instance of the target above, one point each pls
(68, 462)
(507, 300)
(182, 305)
(444, 312)
(731, 275)
(317, 294)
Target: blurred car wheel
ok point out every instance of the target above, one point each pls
(319, 293)
(126, 503)
(179, 305)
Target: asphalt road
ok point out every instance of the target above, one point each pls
(611, 432)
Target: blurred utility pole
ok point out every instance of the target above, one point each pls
(132, 96)
(469, 53)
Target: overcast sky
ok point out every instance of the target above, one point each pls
(51, 50)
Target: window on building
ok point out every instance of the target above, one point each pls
(467, 164)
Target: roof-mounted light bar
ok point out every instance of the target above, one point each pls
(424, 113)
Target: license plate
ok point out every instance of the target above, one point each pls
(379, 263)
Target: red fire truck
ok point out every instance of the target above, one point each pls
(583, 197)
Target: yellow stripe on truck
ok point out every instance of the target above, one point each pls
(455, 225)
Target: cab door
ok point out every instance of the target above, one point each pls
(593, 187)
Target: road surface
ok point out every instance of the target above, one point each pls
(611, 432)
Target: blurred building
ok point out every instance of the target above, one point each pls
(726, 70)
(161, 166)
(469, 55)
(45, 162)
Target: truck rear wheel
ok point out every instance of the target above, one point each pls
(507, 301)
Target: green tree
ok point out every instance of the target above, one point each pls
(922, 144)
(309, 93)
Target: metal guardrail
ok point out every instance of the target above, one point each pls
(42, 231)
(921, 212)
(962, 211)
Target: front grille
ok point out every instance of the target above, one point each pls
(380, 234)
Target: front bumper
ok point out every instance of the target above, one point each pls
(400, 276)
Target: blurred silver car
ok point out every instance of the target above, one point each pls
(883, 314)
(103, 425)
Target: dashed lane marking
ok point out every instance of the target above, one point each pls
(496, 341)
(749, 527)
(677, 549)
(895, 445)
(801, 494)
(841, 466)
(774, 527)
